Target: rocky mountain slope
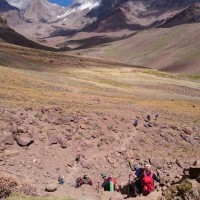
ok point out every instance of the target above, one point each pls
(101, 15)
(188, 15)
(8, 35)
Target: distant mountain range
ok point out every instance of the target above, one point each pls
(40, 20)
(104, 23)
(94, 15)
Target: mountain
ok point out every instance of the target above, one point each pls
(95, 15)
(8, 35)
(11, 14)
(188, 15)
(5, 6)
(116, 15)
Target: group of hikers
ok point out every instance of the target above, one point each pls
(136, 121)
(142, 182)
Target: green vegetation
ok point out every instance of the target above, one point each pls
(179, 190)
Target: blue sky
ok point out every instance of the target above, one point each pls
(62, 2)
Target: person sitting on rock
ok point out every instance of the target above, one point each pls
(85, 180)
(61, 180)
(106, 185)
(146, 180)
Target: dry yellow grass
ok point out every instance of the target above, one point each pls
(76, 84)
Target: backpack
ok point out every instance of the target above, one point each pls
(148, 183)
(86, 181)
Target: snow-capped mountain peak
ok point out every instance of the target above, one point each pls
(20, 4)
(79, 6)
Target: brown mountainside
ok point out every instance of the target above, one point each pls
(10, 36)
(188, 15)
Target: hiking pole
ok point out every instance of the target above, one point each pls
(98, 186)
(129, 180)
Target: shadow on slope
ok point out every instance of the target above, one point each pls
(186, 16)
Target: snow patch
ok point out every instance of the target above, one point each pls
(86, 5)
(20, 4)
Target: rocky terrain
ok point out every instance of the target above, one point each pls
(70, 116)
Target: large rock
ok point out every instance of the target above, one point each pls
(187, 130)
(8, 139)
(194, 172)
(63, 143)
(51, 187)
(53, 139)
(24, 141)
(197, 163)
(2, 146)
(156, 162)
(13, 128)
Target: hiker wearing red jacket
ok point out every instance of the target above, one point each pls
(145, 182)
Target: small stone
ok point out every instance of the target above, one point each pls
(197, 163)
(11, 152)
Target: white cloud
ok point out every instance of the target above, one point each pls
(21, 4)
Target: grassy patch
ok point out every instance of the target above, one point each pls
(178, 190)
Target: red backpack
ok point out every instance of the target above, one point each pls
(148, 183)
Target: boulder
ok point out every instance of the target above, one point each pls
(53, 139)
(194, 172)
(187, 130)
(51, 187)
(8, 139)
(197, 163)
(63, 143)
(156, 163)
(180, 163)
(2, 146)
(13, 128)
(23, 141)
(21, 129)
(83, 126)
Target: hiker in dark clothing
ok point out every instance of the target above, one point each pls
(156, 116)
(135, 123)
(138, 170)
